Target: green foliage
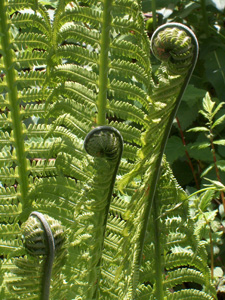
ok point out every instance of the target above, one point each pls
(63, 74)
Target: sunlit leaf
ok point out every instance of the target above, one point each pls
(219, 4)
(198, 129)
(208, 104)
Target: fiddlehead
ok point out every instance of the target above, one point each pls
(42, 236)
(166, 95)
(172, 44)
(105, 144)
(104, 141)
(177, 46)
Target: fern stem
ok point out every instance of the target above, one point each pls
(13, 101)
(104, 62)
(154, 14)
(103, 142)
(211, 251)
(45, 292)
(216, 167)
(158, 253)
(151, 197)
(205, 18)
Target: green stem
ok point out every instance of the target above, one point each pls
(151, 197)
(104, 143)
(205, 17)
(104, 62)
(154, 14)
(13, 101)
(216, 167)
(46, 282)
(158, 252)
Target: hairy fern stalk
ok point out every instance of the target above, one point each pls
(80, 111)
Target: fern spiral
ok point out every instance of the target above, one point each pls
(104, 141)
(43, 235)
(173, 44)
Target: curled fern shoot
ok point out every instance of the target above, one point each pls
(40, 241)
(105, 144)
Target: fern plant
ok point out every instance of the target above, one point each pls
(89, 206)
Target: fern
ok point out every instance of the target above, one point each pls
(72, 86)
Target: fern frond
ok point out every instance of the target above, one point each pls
(79, 33)
(10, 212)
(190, 294)
(129, 70)
(78, 54)
(27, 79)
(125, 110)
(31, 40)
(129, 133)
(82, 14)
(27, 59)
(33, 95)
(129, 50)
(70, 72)
(32, 20)
(132, 92)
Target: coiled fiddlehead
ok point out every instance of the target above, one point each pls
(176, 45)
(105, 144)
(43, 236)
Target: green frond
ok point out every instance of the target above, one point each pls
(43, 168)
(70, 72)
(129, 50)
(30, 78)
(127, 7)
(129, 70)
(31, 40)
(37, 148)
(82, 14)
(10, 212)
(75, 109)
(186, 258)
(5, 121)
(8, 195)
(78, 33)
(79, 93)
(125, 110)
(87, 65)
(11, 246)
(27, 59)
(8, 175)
(77, 53)
(33, 110)
(33, 95)
(78, 128)
(192, 294)
(118, 206)
(71, 166)
(115, 224)
(129, 133)
(32, 20)
(180, 275)
(128, 91)
(145, 292)
(6, 158)
(130, 152)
